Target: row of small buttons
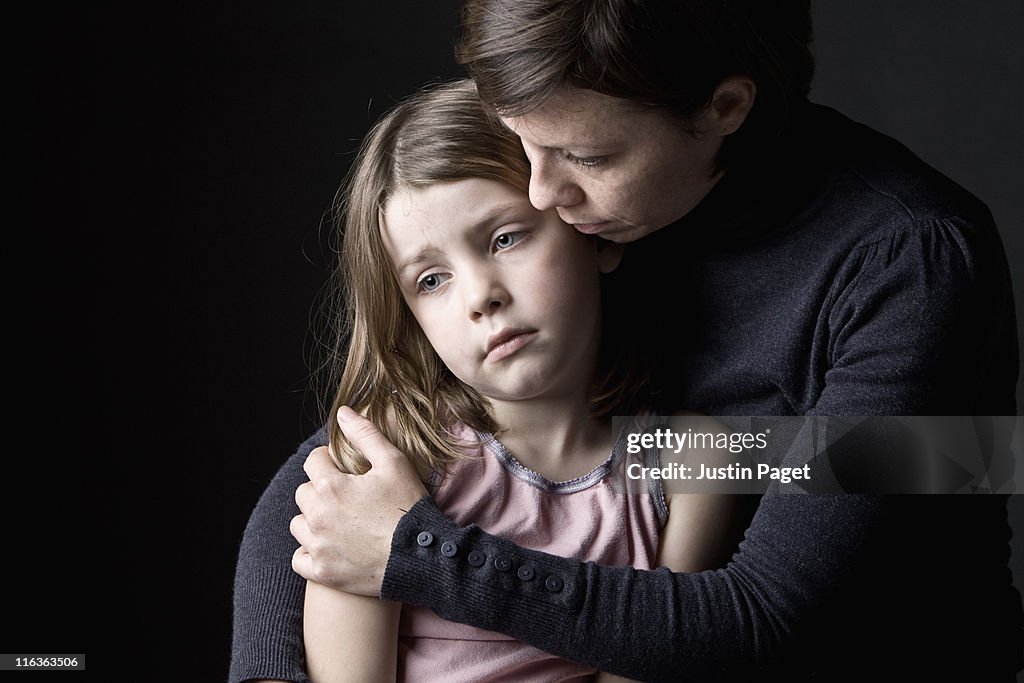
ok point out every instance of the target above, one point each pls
(478, 559)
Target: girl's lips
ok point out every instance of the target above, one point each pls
(508, 345)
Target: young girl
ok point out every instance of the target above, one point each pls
(478, 342)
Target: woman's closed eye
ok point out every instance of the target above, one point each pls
(585, 162)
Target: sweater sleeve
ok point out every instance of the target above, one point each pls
(902, 340)
(926, 326)
(648, 625)
(268, 596)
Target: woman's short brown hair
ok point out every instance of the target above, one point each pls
(668, 54)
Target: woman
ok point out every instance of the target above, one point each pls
(824, 269)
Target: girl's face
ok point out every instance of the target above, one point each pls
(507, 295)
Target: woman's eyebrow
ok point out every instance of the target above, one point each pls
(580, 139)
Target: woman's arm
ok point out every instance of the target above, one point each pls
(349, 638)
(267, 633)
(649, 625)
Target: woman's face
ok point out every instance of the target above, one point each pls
(611, 168)
(507, 295)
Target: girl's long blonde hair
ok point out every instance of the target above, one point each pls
(390, 372)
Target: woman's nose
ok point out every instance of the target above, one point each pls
(552, 187)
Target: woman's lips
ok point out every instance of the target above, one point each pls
(590, 228)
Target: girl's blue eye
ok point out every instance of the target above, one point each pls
(507, 239)
(431, 281)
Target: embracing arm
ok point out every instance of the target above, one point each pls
(649, 625)
(267, 642)
(267, 633)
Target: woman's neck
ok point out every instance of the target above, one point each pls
(557, 438)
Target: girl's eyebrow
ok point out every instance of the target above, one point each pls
(496, 213)
(425, 254)
(487, 221)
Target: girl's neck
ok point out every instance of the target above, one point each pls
(557, 438)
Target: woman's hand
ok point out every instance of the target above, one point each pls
(348, 520)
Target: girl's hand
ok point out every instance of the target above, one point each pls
(348, 520)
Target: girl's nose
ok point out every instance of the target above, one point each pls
(485, 294)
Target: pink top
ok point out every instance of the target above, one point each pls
(588, 518)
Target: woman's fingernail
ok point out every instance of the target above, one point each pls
(345, 414)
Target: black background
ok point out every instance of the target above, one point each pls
(169, 168)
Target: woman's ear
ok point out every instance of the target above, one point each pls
(608, 254)
(730, 105)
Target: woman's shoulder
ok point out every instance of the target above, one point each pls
(887, 175)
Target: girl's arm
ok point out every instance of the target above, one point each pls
(349, 638)
(702, 532)
(703, 529)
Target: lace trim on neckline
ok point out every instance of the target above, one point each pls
(524, 473)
